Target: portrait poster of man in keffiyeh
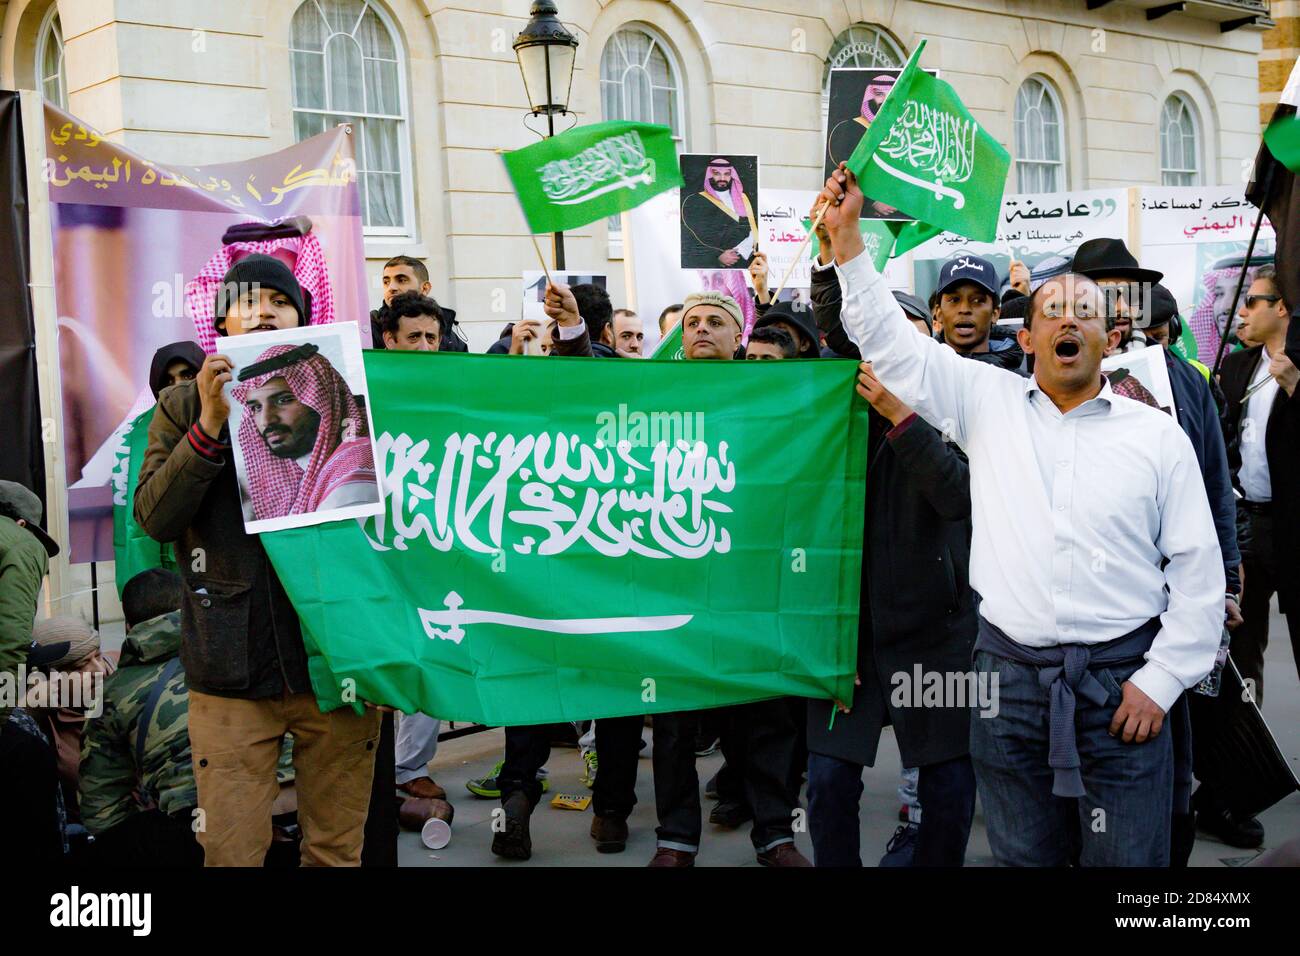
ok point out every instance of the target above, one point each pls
(301, 429)
(855, 97)
(719, 199)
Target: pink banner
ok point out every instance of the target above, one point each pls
(139, 250)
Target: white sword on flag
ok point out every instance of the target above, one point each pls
(456, 614)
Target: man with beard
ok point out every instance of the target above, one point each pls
(304, 438)
(1125, 284)
(719, 228)
(1086, 661)
(846, 134)
(402, 275)
(759, 740)
(241, 641)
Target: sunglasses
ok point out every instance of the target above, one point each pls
(1270, 299)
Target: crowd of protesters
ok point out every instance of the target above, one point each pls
(1002, 462)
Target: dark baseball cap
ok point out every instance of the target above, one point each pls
(913, 307)
(24, 503)
(1162, 307)
(961, 269)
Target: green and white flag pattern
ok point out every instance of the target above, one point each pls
(925, 155)
(654, 537)
(592, 172)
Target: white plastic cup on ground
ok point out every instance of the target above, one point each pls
(435, 833)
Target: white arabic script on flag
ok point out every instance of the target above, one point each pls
(616, 162)
(543, 492)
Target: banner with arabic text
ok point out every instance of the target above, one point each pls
(654, 537)
(140, 247)
(1198, 236)
(1042, 230)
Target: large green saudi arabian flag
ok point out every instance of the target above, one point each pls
(926, 155)
(567, 538)
(592, 172)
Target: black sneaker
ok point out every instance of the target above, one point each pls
(730, 815)
(901, 847)
(515, 842)
(1230, 828)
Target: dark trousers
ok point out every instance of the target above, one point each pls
(618, 745)
(946, 791)
(759, 742)
(149, 839)
(1250, 639)
(29, 783)
(382, 827)
(730, 782)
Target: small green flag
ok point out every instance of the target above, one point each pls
(671, 347)
(592, 172)
(1283, 140)
(925, 155)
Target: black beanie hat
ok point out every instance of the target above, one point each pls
(261, 271)
(801, 319)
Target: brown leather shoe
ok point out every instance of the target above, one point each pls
(666, 857)
(424, 788)
(783, 854)
(610, 834)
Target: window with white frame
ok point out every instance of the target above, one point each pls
(348, 67)
(1040, 138)
(1180, 143)
(640, 82)
(862, 45)
(49, 59)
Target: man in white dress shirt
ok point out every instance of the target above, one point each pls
(1094, 552)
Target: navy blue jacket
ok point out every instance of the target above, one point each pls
(1199, 418)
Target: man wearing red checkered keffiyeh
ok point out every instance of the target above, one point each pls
(309, 269)
(304, 438)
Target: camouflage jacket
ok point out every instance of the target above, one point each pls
(113, 786)
(116, 784)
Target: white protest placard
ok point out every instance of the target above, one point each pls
(1142, 376)
(1042, 230)
(1197, 236)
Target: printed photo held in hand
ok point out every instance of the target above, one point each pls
(856, 96)
(719, 204)
(300, 427)
(1142, 376)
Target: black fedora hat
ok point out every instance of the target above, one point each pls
(1110, 259)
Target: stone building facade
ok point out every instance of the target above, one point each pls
(1084, 93)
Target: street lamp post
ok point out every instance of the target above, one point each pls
(546, 53)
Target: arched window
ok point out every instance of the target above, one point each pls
(348, 68)
(639, 82)
(861, 45)
(1180, 143)
(49, 59)
(1040, 138)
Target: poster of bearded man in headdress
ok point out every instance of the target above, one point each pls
(719, 217)
(856, 96)
(300, 427)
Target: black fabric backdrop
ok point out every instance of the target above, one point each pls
(21, 457)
